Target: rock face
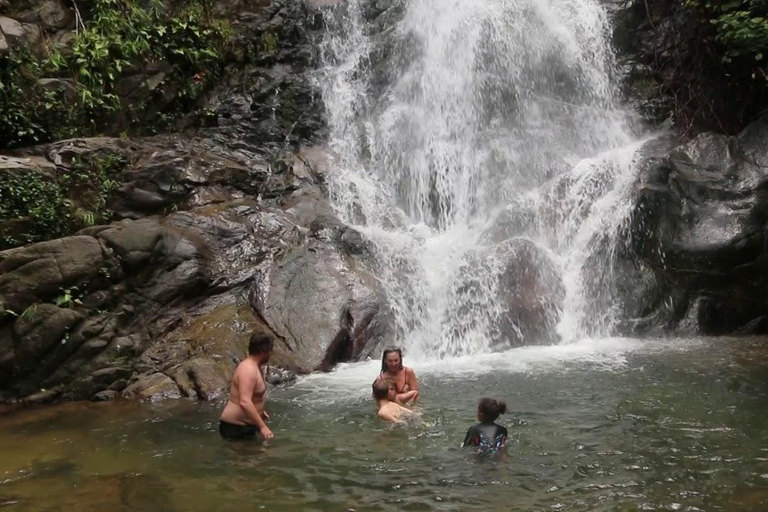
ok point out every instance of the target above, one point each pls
(531, 289)
(325, 306)
(203, 237)
(699, 222)
(158, 304)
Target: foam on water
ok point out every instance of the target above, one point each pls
(352, 381)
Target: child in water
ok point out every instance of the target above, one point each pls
(487, 436)
(386, 399)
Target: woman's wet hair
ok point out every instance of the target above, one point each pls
(381, 389)
(490, 409)
(260, 343)
(388, 351)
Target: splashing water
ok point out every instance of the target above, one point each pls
(480, 146)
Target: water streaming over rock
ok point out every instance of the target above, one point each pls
(482, 148)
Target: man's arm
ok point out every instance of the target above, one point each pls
(247, 385)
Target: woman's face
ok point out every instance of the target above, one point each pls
(393, 362)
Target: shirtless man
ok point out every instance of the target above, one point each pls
(243, 416)
(386, 398)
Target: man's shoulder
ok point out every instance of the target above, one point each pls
(246, 367)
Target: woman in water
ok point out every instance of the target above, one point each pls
(403, 378)
(487, 436)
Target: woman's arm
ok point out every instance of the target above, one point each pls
(410, 375)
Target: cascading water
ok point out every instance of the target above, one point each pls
(480, 146)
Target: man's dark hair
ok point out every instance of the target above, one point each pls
(260, 343)
(381, 389)
(490, 409)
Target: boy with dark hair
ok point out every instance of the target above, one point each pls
(385, 395)
(244, 415)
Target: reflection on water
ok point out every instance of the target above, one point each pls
(681, 429)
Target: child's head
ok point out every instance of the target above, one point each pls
(489, 409)
(382, 389)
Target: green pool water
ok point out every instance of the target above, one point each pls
(614, 425)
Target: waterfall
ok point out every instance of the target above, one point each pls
(482, 148)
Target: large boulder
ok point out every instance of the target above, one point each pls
(324, 306)
(42, 271)
(510, 293)
(531, 292)
(699, 220)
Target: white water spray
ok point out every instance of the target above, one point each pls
(444, 114)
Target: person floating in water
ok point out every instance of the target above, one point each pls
(244, 415)
(487, 436)
(385, 395)
(403, 378)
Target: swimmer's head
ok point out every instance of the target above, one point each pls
(261, 345)
(392, 360)
(489, 409)
(383, 390)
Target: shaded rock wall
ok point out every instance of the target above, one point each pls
(158, 303)
(699, 222)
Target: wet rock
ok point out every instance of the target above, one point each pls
(39, 330)
(60, 86)
(40, 271)
(154, 387)
(344, 316)
(203, 378)
(277, 376)
(531, 293)
(105, 396)
(49, 13)
(133, 241)
(517, 219)
(699, 221)
(11, 28)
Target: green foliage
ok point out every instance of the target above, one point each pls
(182, 49)
(32, 209)
(20, 120)
(35, 207)
(742, 32)
(68, 298)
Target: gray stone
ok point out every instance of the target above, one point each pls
(324, 307)
(153, 387)
(65, 87)
(698, 221)
(203, 378)
(40, 271)
(11, 28)
(50, 13)
(40, 329)
(105, 396)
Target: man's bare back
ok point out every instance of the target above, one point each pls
(245, 412)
